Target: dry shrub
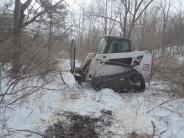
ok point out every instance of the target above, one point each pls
(38, 55)
(81, 53)
(170, 69)
(38, 68)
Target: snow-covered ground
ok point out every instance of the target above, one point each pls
(130, 111)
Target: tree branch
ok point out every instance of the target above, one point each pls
(143, 10)
(46, 9)
(25, 5)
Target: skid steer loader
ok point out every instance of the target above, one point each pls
(114, 66)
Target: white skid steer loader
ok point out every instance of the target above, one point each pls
(114, 66)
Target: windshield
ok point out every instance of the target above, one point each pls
(102, 46)
(117, 46)
(113, 45)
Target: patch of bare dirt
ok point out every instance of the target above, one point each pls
(78, 126)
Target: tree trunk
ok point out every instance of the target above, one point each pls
(105, 20)
(16, 52)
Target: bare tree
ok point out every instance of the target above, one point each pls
(126, 14)
(22, 20)
(165, 18)
(133, 10)
(105, 13)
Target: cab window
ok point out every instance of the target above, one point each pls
(102, 46)
(119, 46)
(111, 45)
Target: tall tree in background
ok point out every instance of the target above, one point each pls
(126, 14)
(17, 30)
(133, 10)
(25, 14)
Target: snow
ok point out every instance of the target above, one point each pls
(130, 111)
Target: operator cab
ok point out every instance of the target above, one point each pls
(109, 44)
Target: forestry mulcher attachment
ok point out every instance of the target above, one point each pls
(114, 66)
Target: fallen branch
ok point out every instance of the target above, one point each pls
(157, 106)
(173, 111)
(162, 132)
(62, 79)
(154, 127)
(27, 130)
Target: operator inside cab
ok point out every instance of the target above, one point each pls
(109, 44)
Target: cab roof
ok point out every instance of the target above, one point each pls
(114, 37)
